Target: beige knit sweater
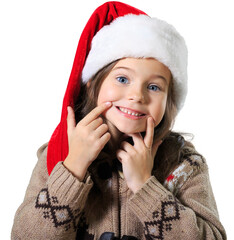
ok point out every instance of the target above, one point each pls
(61, 207)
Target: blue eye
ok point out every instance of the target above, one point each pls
(154, 88)
(123, 80)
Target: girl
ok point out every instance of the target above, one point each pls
(113, 169)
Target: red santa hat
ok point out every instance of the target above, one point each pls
(114, 31)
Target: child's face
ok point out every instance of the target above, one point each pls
(138, 89)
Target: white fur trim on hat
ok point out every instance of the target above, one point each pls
(140, 36)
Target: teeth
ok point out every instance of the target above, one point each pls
(128, 112)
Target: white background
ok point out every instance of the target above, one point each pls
(38, 40)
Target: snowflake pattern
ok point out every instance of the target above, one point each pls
(180, 175)
(175, 180)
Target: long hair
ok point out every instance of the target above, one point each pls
(172, 148)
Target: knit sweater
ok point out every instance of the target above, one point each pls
(59, 206)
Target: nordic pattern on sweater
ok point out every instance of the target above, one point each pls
(60, 207)
(59, 214)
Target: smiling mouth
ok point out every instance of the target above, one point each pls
(130, 112)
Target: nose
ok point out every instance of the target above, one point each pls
(136, 94)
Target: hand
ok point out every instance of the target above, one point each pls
(85, 140)
(138, 160)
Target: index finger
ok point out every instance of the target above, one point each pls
(95, 113)
(149, 136)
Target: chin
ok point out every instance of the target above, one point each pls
(130, 131)
(116, 127)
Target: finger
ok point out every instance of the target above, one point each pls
(95, 124)
(101, 130)
(97, 111)
(71, 122)
(121, 155)
(127, 147)
(104, 139)
(137, 139)
(149, 136)
(118, 155)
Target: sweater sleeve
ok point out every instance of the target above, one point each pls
(52, 205)
(183, 208)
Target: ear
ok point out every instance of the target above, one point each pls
(88, 83)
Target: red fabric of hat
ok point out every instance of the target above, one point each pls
(103, 15)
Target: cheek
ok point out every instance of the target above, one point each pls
(158, 112)
(106, 94)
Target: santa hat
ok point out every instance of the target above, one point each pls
(114, 31)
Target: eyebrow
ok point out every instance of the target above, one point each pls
(126, 68)
(159, 76)
(153, 76)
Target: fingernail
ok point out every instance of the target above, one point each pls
(68, 109)
(151, 120)
(108, 103)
